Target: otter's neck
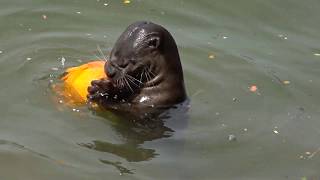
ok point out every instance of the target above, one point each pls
(167, 86)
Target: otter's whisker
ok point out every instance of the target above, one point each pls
(149, 70)
(97, 56)
(145, 74)
(148, 74)
(100, 51)
(149, 77)
(135, 84)
(128, 84)
(134, 80)
(117, 83)
(122, 83)
(141, 76)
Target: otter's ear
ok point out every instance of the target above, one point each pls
(154, 42)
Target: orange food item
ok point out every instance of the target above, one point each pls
(78, 79)
(253, 88)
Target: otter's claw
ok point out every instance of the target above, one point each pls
(99, 89)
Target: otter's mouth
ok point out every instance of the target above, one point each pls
(124, 77)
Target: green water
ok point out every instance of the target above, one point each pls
(274, 45)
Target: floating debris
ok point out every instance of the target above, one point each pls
(75, 110)
(275, 131)
(78, 12)
(105, 4)
(44, 17)
(126, 1)
(286, 82)
(316, 54)
(313, 153)
(253, 88)
(29, 58)
(211, 56)
(232, 137)
(283, 36)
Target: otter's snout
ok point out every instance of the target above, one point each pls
(109, 70)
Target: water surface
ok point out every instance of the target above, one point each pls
(225, 46)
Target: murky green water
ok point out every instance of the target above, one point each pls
(274, 132)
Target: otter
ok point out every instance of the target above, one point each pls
(144, 73)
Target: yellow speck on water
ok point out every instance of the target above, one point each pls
(286, 82)
(211, 56)
(126, 1)
(61, 162)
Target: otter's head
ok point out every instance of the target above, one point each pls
(142, 52)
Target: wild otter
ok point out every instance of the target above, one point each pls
(144, 73)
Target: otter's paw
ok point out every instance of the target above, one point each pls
(100, 90)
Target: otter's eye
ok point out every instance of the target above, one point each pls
(154, 42)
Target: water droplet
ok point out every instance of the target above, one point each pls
(232, 137)
(63, 60)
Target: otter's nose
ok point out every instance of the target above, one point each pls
(109, 70)
(123, 64)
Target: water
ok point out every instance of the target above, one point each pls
(226, 47)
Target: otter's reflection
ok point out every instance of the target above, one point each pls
(134, 135)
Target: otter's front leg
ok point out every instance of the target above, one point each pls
(102, 92)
